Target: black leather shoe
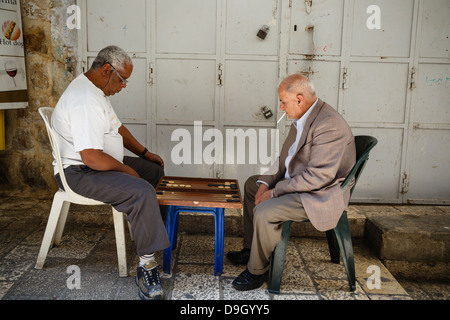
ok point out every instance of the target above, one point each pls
(239, 257)
(247, 281)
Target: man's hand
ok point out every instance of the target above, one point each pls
(130, 143)
(262, 194)
(98, 160)
(130, 170)
(154, 158)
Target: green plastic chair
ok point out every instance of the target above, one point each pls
(339, 239)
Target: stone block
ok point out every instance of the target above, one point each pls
(413, 246)
(423, 238)
(36, 40)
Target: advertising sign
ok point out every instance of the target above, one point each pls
(13, 81)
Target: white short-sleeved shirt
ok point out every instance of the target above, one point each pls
(84, 119)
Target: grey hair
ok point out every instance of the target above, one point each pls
(297, 82)
(113, 55)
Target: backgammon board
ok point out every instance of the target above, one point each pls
(199, 192)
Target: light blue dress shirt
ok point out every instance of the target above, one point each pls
(299, 125)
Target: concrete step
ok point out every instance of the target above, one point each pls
(412, 241)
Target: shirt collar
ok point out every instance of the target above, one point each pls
(301, 122)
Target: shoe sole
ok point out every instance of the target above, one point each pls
(247, 288)
(144, 297)
(251, 287)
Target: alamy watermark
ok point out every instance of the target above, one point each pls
(74, 17)
(74, 280)
(374, 281)
(374, 20)
(240, 146)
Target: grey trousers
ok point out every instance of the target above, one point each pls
(263, 224)
(136, 197)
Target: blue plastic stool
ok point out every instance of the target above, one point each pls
(172, 231)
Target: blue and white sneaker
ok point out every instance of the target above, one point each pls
(149, 282)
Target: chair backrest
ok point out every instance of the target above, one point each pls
(46, 114)
(363, 146)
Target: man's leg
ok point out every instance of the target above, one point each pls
(137, 199)
(268, 218)
(267, 222)
(149, 171)
(250, 189)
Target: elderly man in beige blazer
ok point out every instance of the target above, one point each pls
(304, 183)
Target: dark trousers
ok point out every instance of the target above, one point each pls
(136, 197)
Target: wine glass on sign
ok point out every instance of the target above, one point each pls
(11, 70)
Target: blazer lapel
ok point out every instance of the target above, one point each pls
(291, 136)
(308, 123)
(287, 144)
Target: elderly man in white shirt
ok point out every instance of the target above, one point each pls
(91, 139)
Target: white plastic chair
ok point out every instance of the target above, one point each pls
(60, 207)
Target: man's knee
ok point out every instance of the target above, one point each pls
(160, 170)
(142, 188)
(250, 186)
(261, 214)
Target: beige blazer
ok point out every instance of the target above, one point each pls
(324, 157)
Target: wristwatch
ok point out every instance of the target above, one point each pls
(142, 155)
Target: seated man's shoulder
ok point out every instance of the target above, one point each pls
(329, 116)
(329, 110)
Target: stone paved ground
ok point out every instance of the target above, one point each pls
(90, 246)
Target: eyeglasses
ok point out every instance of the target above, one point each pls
(120, 77)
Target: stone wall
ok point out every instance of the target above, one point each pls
(51, 58)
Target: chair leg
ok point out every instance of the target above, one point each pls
(333, 246)
(278, 258)
(175, 230)
(119, 229)
(57, 205)
(61, 223)
(170, 221)
(219, 218)
(129, 229)
(345, 243)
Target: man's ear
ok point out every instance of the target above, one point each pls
(300, 98)
(106, 69)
